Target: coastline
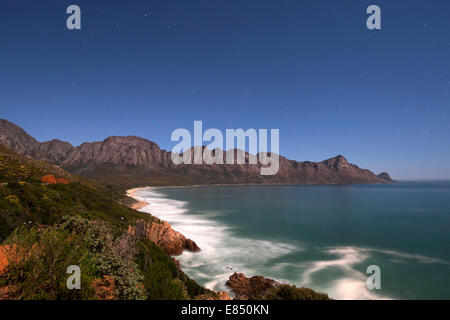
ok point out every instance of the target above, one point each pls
(222, 274)
(131, 191)
(140, 204)
(223, 251)
(228, 277)
(220, 254)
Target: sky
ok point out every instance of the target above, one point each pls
(310, 68)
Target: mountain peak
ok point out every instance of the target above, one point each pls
(127, 139)
(134, 160)
(340, 157)
(6, 125)
(337, 162)
(15, 138)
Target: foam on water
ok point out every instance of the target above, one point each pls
(353, 283)
(224, 253)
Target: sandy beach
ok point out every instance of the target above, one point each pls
(140, 204)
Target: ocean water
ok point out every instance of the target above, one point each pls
(322, 237)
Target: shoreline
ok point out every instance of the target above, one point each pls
(131, 191)
(221, 273)
(219, 281)
(131, 194)
(214, 277)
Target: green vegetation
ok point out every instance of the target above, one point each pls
(14, 168)
(52, 226)
(48, 227)
(291, 292)
(163, 279)
(36, 203)
(37, 265)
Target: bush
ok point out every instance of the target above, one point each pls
(291, 292)
(161, 275)
(113, 256)
(38, 263)
(13, 200)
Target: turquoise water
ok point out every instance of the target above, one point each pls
(323, 237)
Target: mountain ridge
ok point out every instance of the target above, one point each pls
(132, 160)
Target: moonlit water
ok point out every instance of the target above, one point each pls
(322, 237)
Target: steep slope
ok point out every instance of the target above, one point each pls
(26, 197)
(133, 160)
(45, 226)
(36, 192)
(15, 138)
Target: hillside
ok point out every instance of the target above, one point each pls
(45, 227)
(50, 219)
(132, 160)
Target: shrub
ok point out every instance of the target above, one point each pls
(291, 292)
(37, 269)
(13, 200)
(37, 266)
(110, 256)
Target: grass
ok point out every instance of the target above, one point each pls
(291, 292)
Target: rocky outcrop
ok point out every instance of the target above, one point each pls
(4, 293)
(105, 288)
(260, 288)
(133, 160)
(4, 258)
(161, 233)
(221, 295)
(51, 179)
(139, 205)
(385, 176)
(250, 288)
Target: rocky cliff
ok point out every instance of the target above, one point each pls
(260, 288)
(161, 233)
(133, 160)
(249, 288)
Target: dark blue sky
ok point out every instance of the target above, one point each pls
(310, 68)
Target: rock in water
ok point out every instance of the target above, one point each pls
(249, 288)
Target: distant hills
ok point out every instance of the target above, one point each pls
(133, 160)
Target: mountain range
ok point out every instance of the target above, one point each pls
(133, 160)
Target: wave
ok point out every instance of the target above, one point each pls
(353, 285)
(224, 253)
